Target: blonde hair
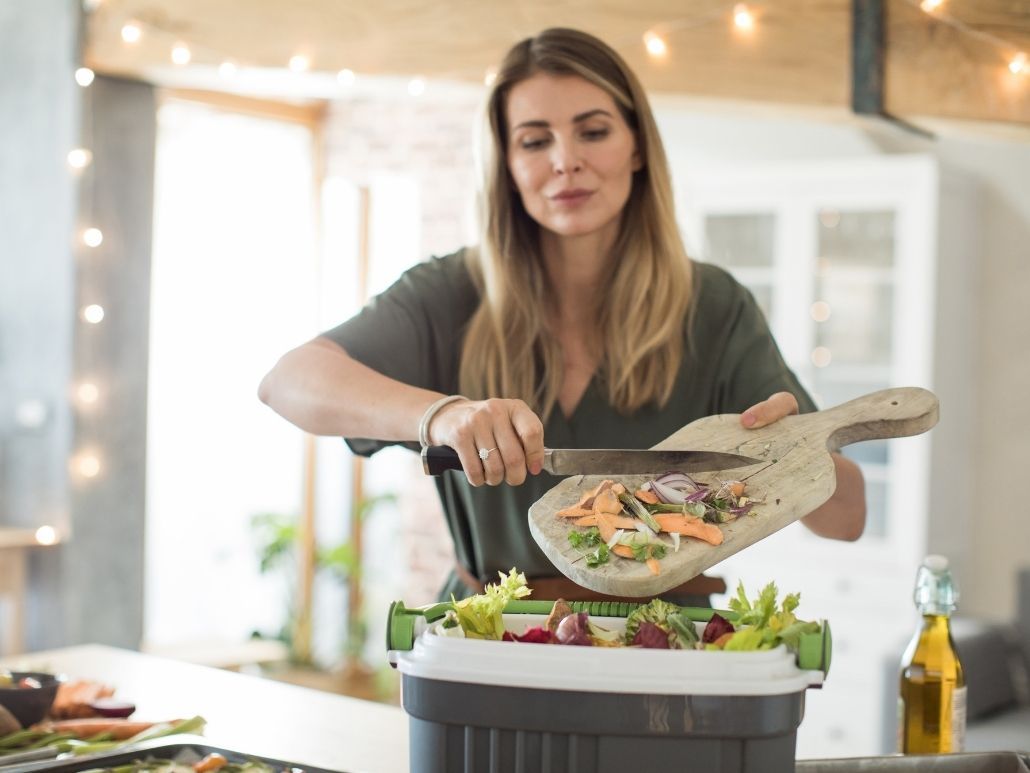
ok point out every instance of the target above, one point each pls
(647, 285)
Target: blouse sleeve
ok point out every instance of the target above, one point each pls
(412, 331)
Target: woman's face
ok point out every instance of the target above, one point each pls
(570, 153)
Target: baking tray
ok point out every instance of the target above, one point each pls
(182, 748)
(976, 762)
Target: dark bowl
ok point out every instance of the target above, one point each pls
(30, 704)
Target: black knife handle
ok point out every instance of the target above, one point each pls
(436, 459)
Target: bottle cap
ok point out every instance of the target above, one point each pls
(936, 563)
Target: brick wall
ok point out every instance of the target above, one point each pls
(430, 140)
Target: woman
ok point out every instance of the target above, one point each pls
(578, 320)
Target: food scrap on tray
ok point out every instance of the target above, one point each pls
(629, 524)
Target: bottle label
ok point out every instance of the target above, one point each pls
(958, 719)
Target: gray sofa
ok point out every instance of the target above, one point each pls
(996, 659)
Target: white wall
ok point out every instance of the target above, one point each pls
(704, 134)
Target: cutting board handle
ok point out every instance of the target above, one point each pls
(889, 413)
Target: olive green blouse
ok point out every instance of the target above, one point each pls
(413, 333)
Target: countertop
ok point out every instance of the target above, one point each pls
(246, 713)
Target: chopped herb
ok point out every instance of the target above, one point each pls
(599, 556)
(585, 539)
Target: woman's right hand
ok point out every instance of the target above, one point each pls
(509, 429)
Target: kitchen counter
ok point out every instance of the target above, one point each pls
(245, 713)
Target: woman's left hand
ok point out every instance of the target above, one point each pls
(766, 412)
(842, 516)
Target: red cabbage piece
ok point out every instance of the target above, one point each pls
(573, 630)
(716, 627)
(537, 635)
(650, 636)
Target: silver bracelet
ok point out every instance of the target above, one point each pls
(431, 411)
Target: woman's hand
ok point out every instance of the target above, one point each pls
(511, 432)
(766, 412)
(842, 516)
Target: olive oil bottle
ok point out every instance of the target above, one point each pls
(932, 702)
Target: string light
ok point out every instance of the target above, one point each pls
(821, 356)
(87, 464)
(820, 311)
(87, 393)
(490, 76)
(1017, 64)
(655, 44)
(94, 313)
(416, 87)
(92, 237)
(300, 63)
(346, 77)
(46, 535)
(929, 6)
(132, 32)
(79, 158)
(743, 19)
(84, 76)
(227, 69)
(181, 54)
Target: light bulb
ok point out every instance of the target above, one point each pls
(820, 311)
(181, 54)
(46, 535)
(92, 237)
(94, 313)
(743, 19)
(821, 356)
(346, 77)
(87, 465)
(1018, 64)
(489, 76)
(84, 76)
(930, 5)
(299, 63)
(79, 158)
(416, 87)
(131, 32)
(87, 393)
(655, 44)
(227, 69)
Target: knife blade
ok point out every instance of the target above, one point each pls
(605, 461)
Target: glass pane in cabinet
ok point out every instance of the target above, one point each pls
(740, 240)
(858, 239)
(875, 508)
(852, 315)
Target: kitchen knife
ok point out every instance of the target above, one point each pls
(604, 461)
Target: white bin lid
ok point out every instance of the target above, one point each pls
(602, 669)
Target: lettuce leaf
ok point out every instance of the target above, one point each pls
(761, 626)
(480, 616)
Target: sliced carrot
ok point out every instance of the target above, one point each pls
(721, 641)
(574, 512)
(618, 521)
(652, 564)
(737, 488)
(607, 501)
(605, 525)
(646, 496)
(587, 500)
(210, 763)
(618, 488)
(691, 527)
(120, 729)
(623, 550)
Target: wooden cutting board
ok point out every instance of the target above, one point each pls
(796, 477)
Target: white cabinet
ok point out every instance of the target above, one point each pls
(862, 268)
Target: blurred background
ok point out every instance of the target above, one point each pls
(188, 189)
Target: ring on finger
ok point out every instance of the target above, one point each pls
(484, 453)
